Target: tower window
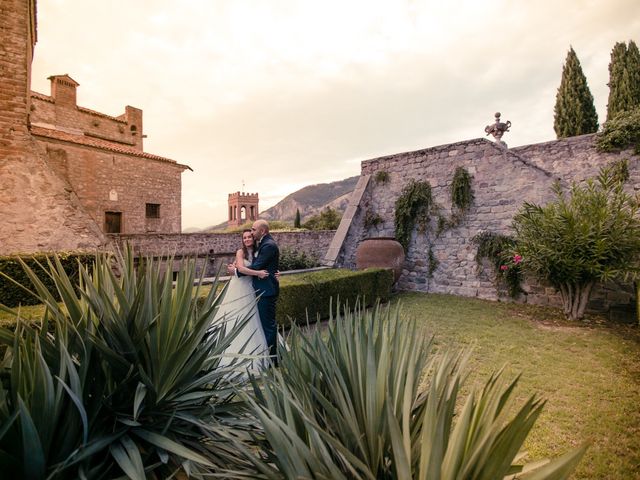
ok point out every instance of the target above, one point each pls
(153, 210)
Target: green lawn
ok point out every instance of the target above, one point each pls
(589, 373)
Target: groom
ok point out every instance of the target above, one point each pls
(266, 258)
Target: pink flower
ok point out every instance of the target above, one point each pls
(517, 259)
(504, 267)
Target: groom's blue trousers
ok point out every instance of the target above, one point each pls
(267, 311)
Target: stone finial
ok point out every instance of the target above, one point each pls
(497, 129)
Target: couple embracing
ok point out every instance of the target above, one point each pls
(254, 273)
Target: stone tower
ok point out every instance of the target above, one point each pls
(243, 207)
(38, 210)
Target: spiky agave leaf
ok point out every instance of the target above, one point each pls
(347, 403)
(130, 362)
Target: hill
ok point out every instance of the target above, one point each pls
(312, 199)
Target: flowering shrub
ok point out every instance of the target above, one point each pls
(511, 273)
(497, 249)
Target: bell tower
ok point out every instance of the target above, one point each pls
(243, 208)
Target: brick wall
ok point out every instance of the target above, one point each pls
(109, 181)
(38, 210)
(502, 180)
(51, 111)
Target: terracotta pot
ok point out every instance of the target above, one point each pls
(383, 252)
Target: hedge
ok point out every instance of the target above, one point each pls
(311, 295)
(303, 295)
(12, 295)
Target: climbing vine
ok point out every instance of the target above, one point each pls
(432, 263)
(461, 191)
(414, 207)
(382, 176)
(372, 219)
(498, 249)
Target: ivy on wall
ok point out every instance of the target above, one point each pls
(416, 208)
(382, 176)
(461, 191)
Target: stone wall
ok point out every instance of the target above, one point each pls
(219, 248)
(502, 180)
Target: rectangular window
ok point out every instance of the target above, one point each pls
(153, 210)
(112, 222)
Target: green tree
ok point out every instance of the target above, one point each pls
(624, 79)
(328, 219)
(296, 222)
(575, 113)
(590, 235)
(633, 67)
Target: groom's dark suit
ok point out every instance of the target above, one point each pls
(267, 258)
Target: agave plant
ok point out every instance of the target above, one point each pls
(371, 402)
(121, 378)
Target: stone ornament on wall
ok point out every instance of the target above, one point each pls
(498, 129)
(113, 195)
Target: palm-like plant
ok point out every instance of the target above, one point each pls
(356, 405)
(121, 377)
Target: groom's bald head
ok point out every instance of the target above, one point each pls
(260, 229)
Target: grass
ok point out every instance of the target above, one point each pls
(588, 372)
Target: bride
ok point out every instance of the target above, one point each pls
(238, 305)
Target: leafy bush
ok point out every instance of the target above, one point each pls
(292, 259)
(327, 219)
(351, 403)
(12, 275)
(122, 379)
(623, 131)
(311, 295)
(590, 235)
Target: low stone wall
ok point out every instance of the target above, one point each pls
(213, 249)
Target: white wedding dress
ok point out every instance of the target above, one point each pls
(238, 303)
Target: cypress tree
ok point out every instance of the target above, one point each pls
(296, 222)
(618, 84)
(575, 113)
(633, 67)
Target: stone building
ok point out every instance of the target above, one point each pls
(69, 174)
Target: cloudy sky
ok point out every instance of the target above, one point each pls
(287, 93)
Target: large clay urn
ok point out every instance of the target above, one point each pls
(383, 252)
